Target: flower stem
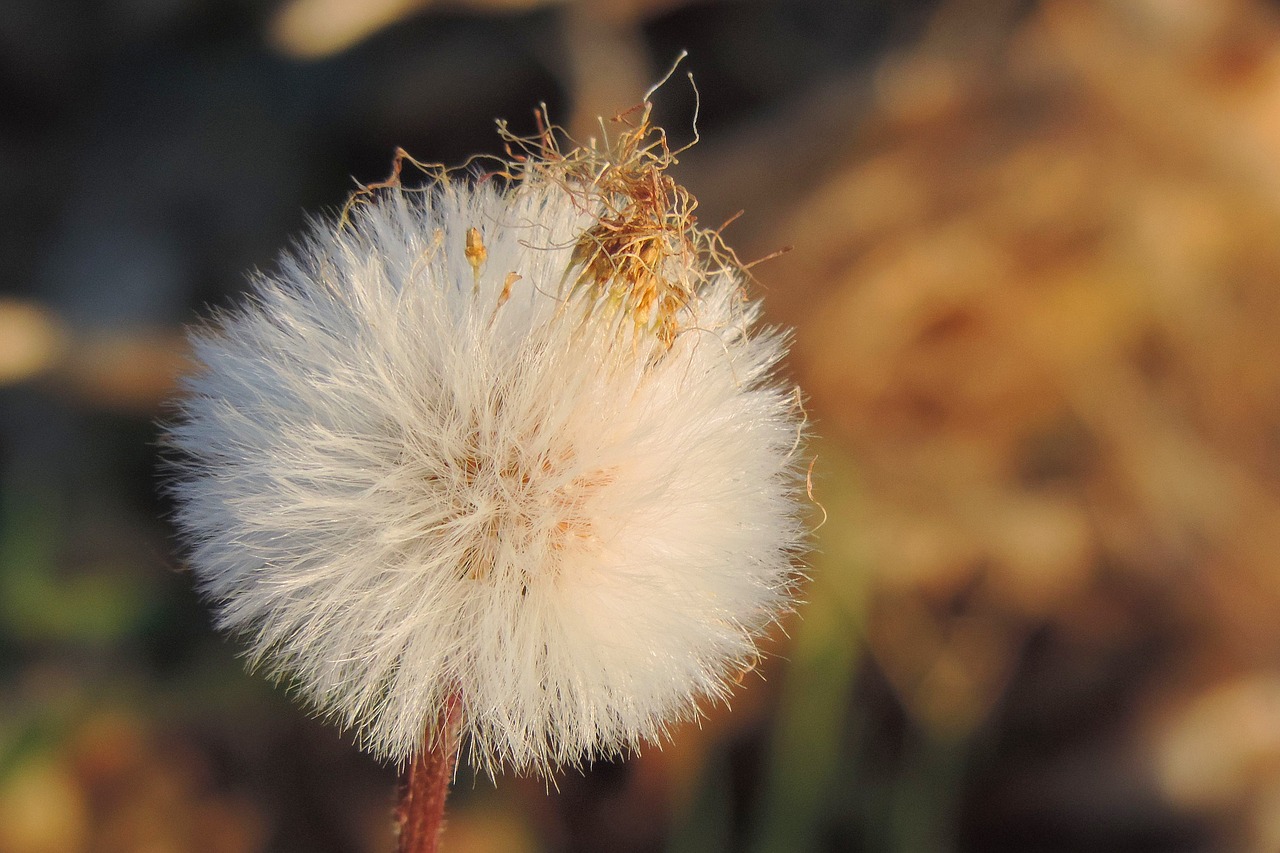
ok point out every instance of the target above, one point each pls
(425, 786)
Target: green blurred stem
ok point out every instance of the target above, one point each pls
(807, 750)
(924, 800)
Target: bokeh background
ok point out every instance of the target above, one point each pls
(1035, 282)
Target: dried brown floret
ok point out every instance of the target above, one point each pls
(646, 254)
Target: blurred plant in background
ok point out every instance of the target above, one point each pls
(1035, 282)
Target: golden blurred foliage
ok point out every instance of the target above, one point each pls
(1037, 300)
(117, 787)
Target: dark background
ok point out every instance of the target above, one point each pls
(1035, 282)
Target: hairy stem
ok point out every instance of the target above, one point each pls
(425, 786)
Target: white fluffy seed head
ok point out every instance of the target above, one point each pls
(409, 477)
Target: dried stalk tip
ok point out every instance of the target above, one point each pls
(476, 253)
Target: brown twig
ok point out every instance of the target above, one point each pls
(425, 786)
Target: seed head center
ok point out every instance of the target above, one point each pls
(524, 512)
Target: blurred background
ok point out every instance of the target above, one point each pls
(1035, 282)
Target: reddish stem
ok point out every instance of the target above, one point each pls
(420, 815)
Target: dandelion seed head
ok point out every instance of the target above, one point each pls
(517, 442)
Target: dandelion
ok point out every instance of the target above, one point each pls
(498, 461)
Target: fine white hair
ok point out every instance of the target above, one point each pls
(408, 477)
